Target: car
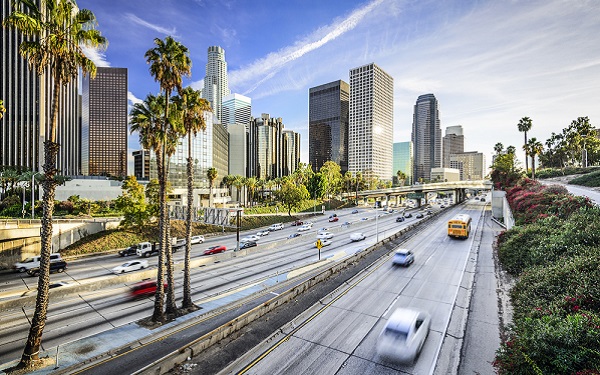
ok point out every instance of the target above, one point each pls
(324, 243)
(251, 237)
(55, 266)
(333, 219)
(364, 219)
(263, 233)
(215, 250)
(144, 288)
(403, 257)
(247, 244)
(420, 215)
(324, 235)
(354, 211)
(483, 199)
(293, 235)
(357, 237)
(345, 224)
(197, 240)
(408, 215)
(296, 223)
(134, 265)
(404, 334)
(442, 206)
(399, 219)
(131, 250)
(277, 226)
(429, 212)
(304, 228)
(34, 262)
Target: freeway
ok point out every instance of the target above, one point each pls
(339, 337)
(87, 313)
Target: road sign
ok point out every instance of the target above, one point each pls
(319, 244)
(415, 195)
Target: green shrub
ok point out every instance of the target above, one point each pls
(590, 179)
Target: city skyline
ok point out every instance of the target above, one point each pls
(485, 65)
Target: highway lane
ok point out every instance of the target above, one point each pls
(340, 337)
(88, 313)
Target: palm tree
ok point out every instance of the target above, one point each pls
(238, 182)
(211, 174)
(169, 61)
(251, 184)
(401, 177)
(498, 147)
(192, 109)
(147, 119)
(525, 126)
(55, 32)
(534, 148)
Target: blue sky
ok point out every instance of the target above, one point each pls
(489, 63)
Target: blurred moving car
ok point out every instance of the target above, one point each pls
(357, 237)
(296, 223)
(294, 235)
(131, 250)
(419, 215)
(304, 228)
(277, 226)
(144, 288)
(251, 237)
(34, 262)
(197, 239)
(324, 235)
(55, 266)
(399, 219)
(333, 219)
(215, 250)
(247, 244)
(134, 265)
(404, 335)
(403, 257)
(407, 215)
(263, 233)
(355, 211)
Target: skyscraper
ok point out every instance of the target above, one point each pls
(371, 123)
(236, 109)
(291, 151)
(328, 124)
(28, 101)
(403, 160)
(265, 134)
(470, 164)
(454, 143)
(216, 85)
(104, 123)
(426, 137)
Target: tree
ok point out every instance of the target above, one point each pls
(533, 148)
(498, 147)
(292, 195)
(504, 169)
(251, 184)
(211, 174)
(54, 34)
(169, 61)
(133, 204)
(238, 182)
(228, 181)
(192, 109)
(524, 126)
(317, 186)
(401, 177)
(332, 172)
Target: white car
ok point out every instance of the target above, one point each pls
(197, 239)
(252, 237)
(134, 265)
(277, 226)
(304, 228)
(357, 237)
(404, 335)
(263, 233)
(324, 235)
(324, 243)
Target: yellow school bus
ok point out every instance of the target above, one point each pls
(459, 226)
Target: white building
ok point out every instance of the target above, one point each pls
(371, 123)
(216, 84)
(471, 165)
(444, 175)
(236, 109)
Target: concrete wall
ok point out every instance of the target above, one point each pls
(501, 208)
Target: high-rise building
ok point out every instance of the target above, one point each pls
(236, 109)
(104, 123)
(328, 107)
(471, 165)
(141, 164)
(426, 137)
(291, 151)
(453, 143)
(216, 85)
(371, 123)
(238, 145)
(403, 161)
(28, 101)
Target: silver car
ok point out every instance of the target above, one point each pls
(403, 336)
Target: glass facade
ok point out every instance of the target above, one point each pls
(426, 137)
(403, 161)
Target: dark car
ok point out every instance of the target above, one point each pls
(129, 251)
(247, 244)
(215, 250)
(58, 266)
(294, 235)
(296, 223)
(419, 215)
(354, 211)
(399, 219)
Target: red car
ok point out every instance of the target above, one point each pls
(144, 288)
(215, 250)
(333, 219)
(297, 222)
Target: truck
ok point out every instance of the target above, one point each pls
(146, 249)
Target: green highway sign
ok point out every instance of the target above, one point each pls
(415, 195)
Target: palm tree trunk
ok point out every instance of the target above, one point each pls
(187, 287)
(526, 163)
(159, 298)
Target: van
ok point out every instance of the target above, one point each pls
(273, 227)
(34, 262)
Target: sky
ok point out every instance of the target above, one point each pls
(489, 63)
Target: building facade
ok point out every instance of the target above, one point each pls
(291, 152)
(328, 107)
(444, 175)
(141, 165)
(453, 143)
(236, 109)
(104, 123)
(28, 101)
(371, 122)
(403, 161)
(471, 165)
(426, 137)
(216, 84)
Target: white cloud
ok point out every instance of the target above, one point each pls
(132, 98)
(97, 56)
(163, 30)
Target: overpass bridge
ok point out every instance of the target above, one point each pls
(458, 188)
